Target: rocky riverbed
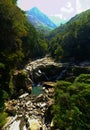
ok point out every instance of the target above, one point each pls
(29, 112)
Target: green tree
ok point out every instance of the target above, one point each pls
(72, 104)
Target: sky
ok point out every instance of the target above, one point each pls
(61, 8)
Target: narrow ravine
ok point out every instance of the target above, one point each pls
(29, 111)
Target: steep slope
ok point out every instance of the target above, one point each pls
(39, 20)
(19, 41)
(72, 39)
(64, 27)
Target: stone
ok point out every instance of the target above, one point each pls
(9, 107)
(50, 102)
(43, 104)
(29, 88)
(23, 95)
(34, 124)
(48, 84)
(44, 69)
(39, 98)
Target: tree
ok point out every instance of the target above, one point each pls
(72, 104)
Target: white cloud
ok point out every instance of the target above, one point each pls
(78, 6)
(82, 5)
(68, 8)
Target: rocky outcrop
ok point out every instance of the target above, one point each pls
(30, 111)
(10, 107)
(38, 71)
(48, 87)
(22, 82)
(44, 69)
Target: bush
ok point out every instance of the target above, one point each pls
(3, 116)
(72, 104)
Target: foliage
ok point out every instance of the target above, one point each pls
(83, 78)
(19, 41)
(72, 104)
(3, 116)
(73, 37)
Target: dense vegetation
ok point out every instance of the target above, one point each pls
(19, 41)
(72, 40)
(72, 104)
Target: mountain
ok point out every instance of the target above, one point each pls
(39, 20)
(72, 39)
(64, 28)
(57, 20)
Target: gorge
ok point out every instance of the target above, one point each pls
(38, 91)
(31, 109)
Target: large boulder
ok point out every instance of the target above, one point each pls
(22, 82)
(44, 69)
(34, 124)
(48, 84)
(10, 107)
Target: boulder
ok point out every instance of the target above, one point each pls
(29, 88)
(49, 84)
(9, 107)
(22, 82)
(34, 124)
(39, 98)
(44, 69)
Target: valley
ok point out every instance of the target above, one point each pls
(30, 110)
(44, 70)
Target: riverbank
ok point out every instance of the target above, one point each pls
(28, 110)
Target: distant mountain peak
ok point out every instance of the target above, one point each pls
(35, 9)
(37, 18)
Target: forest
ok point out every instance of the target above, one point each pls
(20, 42)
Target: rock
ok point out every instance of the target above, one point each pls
(11, 111)
(29, 88)
(44, 69)
(34, 124)
(9, 107)
(39, 98)
(23, 95)
(30, 111)
(50, 102)
(43, 104)
(52, 124)
(21, 81)
(49, 84)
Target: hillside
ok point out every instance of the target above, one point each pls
(72, 39)
(23, 68)
(19, 42)
(39, 20)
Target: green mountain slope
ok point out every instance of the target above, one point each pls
(19, 41)
(72, 39)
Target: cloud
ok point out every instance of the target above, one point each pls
(82, 5)
(68, 8)
(78, 6)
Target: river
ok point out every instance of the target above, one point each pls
(30, 109)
